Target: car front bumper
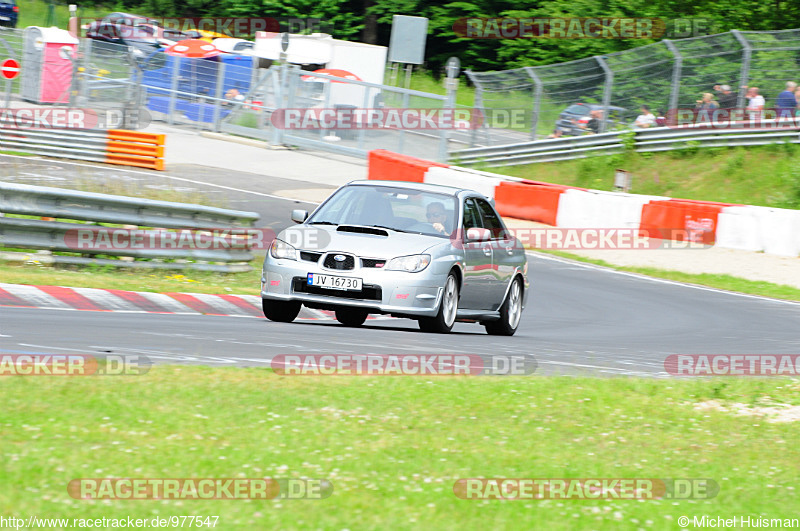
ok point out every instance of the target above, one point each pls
(390, 292)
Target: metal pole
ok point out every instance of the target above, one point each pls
(537, 100)
(677, 68)
(606, 91)
(220, 96)
(744, 73)
(449, 103)
(409, 68)
(176, 67)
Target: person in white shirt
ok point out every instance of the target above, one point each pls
(646, 119)
(755, 102)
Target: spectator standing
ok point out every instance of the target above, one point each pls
(726, 98)
(707, 103)
(786, 102)
(593, 126)
(755, 102)
(646, 119)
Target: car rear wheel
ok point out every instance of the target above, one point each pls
(446, 317)
(351, 316)
(280, 311)
(510, 313)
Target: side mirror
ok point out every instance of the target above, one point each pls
(476, 234)
(299, 216)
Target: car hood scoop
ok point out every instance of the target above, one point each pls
(358, 229)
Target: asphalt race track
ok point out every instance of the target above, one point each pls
(580, 319)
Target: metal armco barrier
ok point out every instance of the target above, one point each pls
(657, 139)
(40, 201)
(115, 146)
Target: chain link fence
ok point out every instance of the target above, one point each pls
(664, 75)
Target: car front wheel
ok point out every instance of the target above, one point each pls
(446, 317)
(280, 311)
(510, 313)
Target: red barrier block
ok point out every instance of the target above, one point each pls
(682, 220)
(389, 166)
(528, 201)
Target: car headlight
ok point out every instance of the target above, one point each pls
(281, 249)
(410, 264)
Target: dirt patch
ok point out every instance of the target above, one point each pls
(773, 412)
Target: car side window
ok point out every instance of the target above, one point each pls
(491, 220)
(472, 216)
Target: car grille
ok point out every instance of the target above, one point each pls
(349, 262)
(309, 256)
(369, 292)
(373, 262)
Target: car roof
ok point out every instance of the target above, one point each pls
(422, 187)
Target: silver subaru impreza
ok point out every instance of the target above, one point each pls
(432, 253)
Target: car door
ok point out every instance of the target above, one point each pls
(504, 260)
(477, 260)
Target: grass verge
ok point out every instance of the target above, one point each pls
(726, 282)
(393, 447)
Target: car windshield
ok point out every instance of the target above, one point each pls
(577, 109)
(398, 209)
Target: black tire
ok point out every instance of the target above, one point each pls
(446, 317)
(280, 311)
(351, 316)
(510, 312)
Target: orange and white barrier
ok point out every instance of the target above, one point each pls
(772, 230)
(133, 148)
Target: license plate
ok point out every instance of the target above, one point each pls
(332, 282)
(4, 18)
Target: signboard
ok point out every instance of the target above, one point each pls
(407, 43)
(9, 69)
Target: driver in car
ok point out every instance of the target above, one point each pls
(437, 216)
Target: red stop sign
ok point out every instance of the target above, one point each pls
(9, 69)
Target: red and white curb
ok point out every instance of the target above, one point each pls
(115, 300)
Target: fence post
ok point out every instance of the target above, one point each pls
(606, 91)
(220, 97)
(477, 103)
(677, 68)
(176, 67)
(537, 100)
(281, 101)
(744, 73)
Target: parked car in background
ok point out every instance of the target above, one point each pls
(9, 12)
(144, 34)
(573, 120)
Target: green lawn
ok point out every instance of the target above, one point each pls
(393, 447)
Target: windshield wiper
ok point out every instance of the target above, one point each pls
(323, 223)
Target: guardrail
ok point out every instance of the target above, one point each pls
(93, 208)
(115, 146)
(656, 139)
